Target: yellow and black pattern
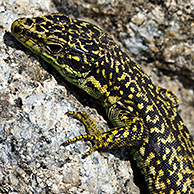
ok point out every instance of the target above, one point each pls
(144, 116)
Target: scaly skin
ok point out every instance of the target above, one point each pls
(144, 116)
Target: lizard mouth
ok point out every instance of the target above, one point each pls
(25, 36)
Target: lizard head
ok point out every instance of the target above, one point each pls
(70, 45)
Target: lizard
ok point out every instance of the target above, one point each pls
(145, 117)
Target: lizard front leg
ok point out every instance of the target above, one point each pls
(131, 134)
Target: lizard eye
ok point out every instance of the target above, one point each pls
(54, 48)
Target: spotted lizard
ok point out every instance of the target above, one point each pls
(144, 116)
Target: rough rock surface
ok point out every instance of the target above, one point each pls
(34, 100)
